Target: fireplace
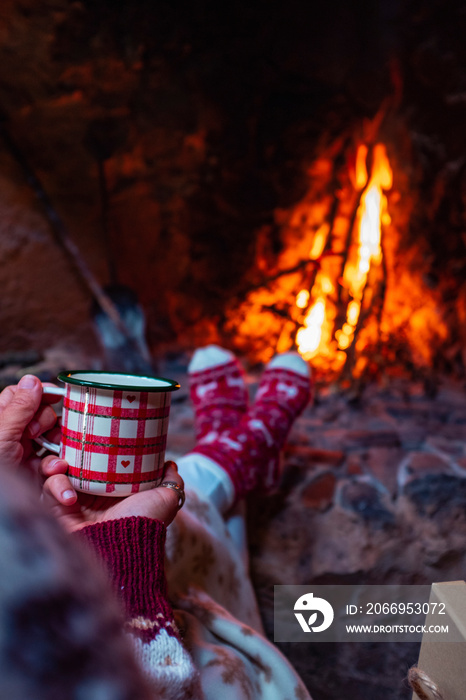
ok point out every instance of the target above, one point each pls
(221, 173)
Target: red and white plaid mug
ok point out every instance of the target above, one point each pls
(114, 430)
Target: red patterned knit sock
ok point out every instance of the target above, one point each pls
(217, 390)
(249, 452)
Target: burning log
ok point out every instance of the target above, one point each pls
(351, 291)
(327, 299)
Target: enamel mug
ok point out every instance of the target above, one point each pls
(114, 430)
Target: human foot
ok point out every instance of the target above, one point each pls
(217, 390)
(249, 451)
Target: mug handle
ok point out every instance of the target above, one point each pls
(43, 442)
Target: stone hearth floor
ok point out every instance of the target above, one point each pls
(373, 491)
(360, 455)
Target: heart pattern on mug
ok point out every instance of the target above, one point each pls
(131, 398)
(125, 462)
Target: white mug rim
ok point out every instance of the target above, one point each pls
(109, 381)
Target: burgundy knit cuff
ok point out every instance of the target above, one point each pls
(133, 549)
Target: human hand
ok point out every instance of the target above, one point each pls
(24, 415)
(76, 510)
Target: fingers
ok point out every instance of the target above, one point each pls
(19, 406)
(170, 497)
(171, 473)
(6, 396)
(160, 503)
(44, 419)
(57, 485)
(53, 465)
(54, 435)
(58, 489)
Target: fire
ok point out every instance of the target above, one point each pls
(309, 336)
(352, 313)
(339, 291)
(371, 214)
(319, 241)
(302, 300)
(363, 253)
(360, 167)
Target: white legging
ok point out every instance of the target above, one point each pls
(205, 476)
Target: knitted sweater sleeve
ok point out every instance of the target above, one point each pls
(133, 550)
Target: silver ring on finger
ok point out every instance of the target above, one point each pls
(179, 490)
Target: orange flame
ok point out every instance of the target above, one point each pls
(371, 214)
(360, 166)
(348, 302)
(309, 336)
(319, 241)
(313, 337)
